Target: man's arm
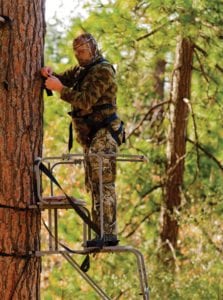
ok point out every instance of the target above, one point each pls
(66, 78)
(93, 87)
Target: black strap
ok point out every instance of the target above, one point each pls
(70, 140)
(85, 266)
(49, 92)
(74, 113)
(85, 71)
(81, 214)
(115, 134)
(95, 128)
(104, 123)
(103, 106)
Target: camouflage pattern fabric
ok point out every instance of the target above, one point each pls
(102, 143)
(98, 87)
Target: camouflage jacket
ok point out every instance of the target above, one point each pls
(98, 87)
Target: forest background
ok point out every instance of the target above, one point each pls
(143, 39)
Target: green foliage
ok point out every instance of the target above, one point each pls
(135, 36)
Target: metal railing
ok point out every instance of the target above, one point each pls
(53, 203)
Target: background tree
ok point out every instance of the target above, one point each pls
(21, 52)
(176, 145)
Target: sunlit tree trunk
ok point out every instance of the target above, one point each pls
(21, 49)
(176, 147)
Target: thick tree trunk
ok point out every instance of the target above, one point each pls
(176, 148)
(21, 49)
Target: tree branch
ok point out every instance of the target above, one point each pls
(219, 68)
(208, 236)
(137, 225)
(207, 153)
(201, 66)
(201, 50)
(219, 249)
(154, 30)
(138, 205)
(146, 115)
(155, 187)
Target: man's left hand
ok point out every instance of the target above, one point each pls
(54, 84)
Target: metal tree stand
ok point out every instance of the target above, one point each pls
(54, 203)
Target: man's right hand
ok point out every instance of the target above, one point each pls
(46, 71)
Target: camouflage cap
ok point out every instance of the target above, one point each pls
(86, 38)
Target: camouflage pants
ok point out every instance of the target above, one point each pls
(102, 143)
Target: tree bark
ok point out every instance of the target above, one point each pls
(21, 133)
(176, 146)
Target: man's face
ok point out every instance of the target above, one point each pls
(83, 54)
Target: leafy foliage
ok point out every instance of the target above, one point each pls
(135, 36)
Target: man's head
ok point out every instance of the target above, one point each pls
(85, 48)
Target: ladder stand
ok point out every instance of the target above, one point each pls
(54, 203)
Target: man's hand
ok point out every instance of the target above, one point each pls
(54, 84)
(46, 71)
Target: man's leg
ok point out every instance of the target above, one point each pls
(103, 143)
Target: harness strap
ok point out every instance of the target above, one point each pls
(86, 69)
(81, 214)
(85, 266)
(116, 133)
(95, 126)
(103, 106)
(74, 113)
(98, 125)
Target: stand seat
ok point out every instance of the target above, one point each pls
(60, 202)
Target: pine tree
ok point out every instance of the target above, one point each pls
(21, 133)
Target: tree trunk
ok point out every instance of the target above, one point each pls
(176, 146)
(21, 51)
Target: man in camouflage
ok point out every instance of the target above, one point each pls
(91, 89)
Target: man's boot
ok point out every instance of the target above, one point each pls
(107, 240)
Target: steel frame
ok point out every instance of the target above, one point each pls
(54, 203)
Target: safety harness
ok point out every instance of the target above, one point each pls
(95, 126)
(88, 119)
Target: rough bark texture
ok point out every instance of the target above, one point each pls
(21, 50)
(180, 90)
